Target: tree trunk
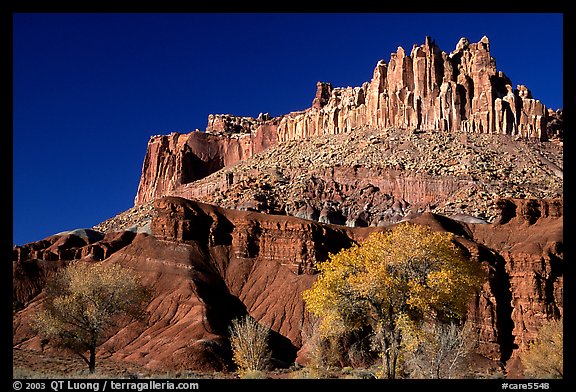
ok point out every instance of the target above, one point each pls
(92, 361)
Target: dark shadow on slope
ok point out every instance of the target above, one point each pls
(499, 281)
(556, 271)
(222, 308)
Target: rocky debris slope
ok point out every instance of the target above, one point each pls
(208, 265)
(376, 177)
(135, 219)
(426, 89)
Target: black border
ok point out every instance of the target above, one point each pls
(7, 166)
(8, 8)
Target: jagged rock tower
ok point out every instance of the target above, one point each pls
(428, 89)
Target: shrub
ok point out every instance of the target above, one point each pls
(249, 345)
(442, 350)
(544, 357)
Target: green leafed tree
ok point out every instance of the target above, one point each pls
(85, 301)
(392, 283)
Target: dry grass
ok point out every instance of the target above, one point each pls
(35, 365)
(38, 365)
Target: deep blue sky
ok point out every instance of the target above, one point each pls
(90, 89)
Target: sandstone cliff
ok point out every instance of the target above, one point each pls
(176, 159)
(426, 89)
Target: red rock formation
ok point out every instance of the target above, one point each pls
(426, 89)
(430, 90)
(228, 124)
(178, 159)
(555, 124)
(36, 261)
(208, 265)
(529, 241)
(323, 93)
(349, 189)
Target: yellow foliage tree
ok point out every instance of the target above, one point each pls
(391, 283)
(84, 301)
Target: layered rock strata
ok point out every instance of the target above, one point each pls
(371, 177)
(426, 89)
(208, 265)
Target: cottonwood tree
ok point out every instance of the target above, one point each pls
(392, 283)
(85, 301)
